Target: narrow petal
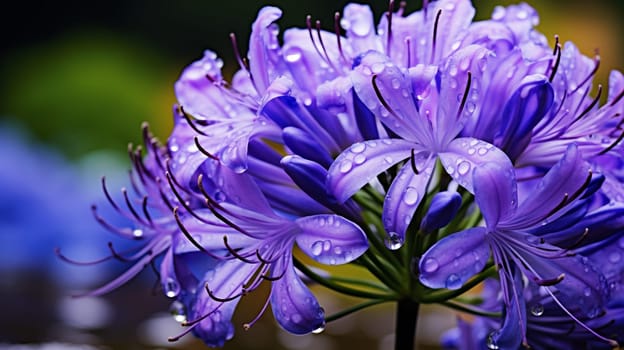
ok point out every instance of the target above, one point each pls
(197, 94)
(463, 155)
(510, 335)
(294, 306)
(362, 162)
(453, 260)
(495, 192)
(331, 239)
(387, 91)
(564, 180)
(443, 208)
(455, 18)
(262, 53)
(359, 25)
(404, 195)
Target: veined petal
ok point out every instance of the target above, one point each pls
(262, 45)
(387, 91)
(294, 306)
(331, 239)
(495, 192)
(197, 94)
(556, 189)
(359, 25)
(358, 165)
(464, 154)
(455, 18)
(405, 194)
(453, 260)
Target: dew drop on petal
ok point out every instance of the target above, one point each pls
(320, 329)
(178, 311)
(411, 196)
(393, 241)
(137, 233)
(491, 343)
(346, 166)
(614, 257)
(359, 159)
(430, 265)
(463, 168)
(292, 55)
(171, 288)
(396, 83)
(377, 68)
(537, 310)
(587, 291)
(317, 248)
(296, 318)
(358, 147)
(327, 245)
(453, 281)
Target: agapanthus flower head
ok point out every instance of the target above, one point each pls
(433, 151)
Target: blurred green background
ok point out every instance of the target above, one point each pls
(82, 76)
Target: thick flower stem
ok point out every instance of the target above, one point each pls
(406, 319)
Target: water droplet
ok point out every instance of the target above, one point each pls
(522, 15)
(337, 250)
(171, 288)
(360, 28)
(358, 147)
(327, 245)
(450, 170)
(453, 281)
(296, 318)
(178, 311)
(393, 241)
(587, 291)
(614, 257)
(388, 160)
(359, 159)
(320, 329)
(377, 68)
(346, 166)
(453, 70)
(482, 151)
(537, 310)
(430, 265)
(396, 83)
(411, 196)
(471, 151)
(450, 6)
(292, 55)
(463, 168)
(317, 248)
(491, 343)
(137, 233)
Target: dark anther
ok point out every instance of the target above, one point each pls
(555, 67)
(591, 74)
(413, 162)
(338, 36)
(381, 99)
(242, 63)
(235, 253)
(189, 120)
(549, 282)
(465, 96)
(203, 150)
(435, 35)
(591, 105)
(221, 300)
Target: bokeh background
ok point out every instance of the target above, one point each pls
(77, 79)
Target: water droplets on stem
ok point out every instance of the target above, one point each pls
(393, 241)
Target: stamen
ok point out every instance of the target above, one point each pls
(241, 62)
(131, 207)
(339, 36)
(561, 204)
(580, 240)
(413, 162)
(617, 98)
(381, 99)
(57, 252)
(188, 236)
(549, 282)
(108, 196)
(118, 256)
(181, 200)
(389, 17)
(435, 35)
(591, 105)
(613, 144)
(146, 212)
(123, 232)
(408, 43)
(320, 39)
(235, 253)
(425, 6)
(190, 122)
(221, 300)
(555, 68)
(465, 96)
(591, 74)
(309, 25)
(275, 278)
(248, 325)
(203, 150)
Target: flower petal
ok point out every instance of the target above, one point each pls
(358, 165)
(359, 25)
(405, 194)
(453, 260)
(465, 154)
(495, 192)
(294, 307)
(331, 239)
(263, 47)
(442, 210)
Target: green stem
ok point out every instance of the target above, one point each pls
(338, 287)
(353, 309)
(406, 320)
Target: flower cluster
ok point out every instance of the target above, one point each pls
(434, 152)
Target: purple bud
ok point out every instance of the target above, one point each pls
(442, 210)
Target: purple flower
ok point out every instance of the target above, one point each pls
(576, 285)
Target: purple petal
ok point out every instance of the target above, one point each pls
(359, 25)
(442, 210)
(197, 94)
(564, 180)
(453, 260)
(331, 239)
(455, 18)
(510, 335)
(294, 307)
(263, 46)
(362, 162)
(463, 155)
(495, 192)
(405, 194)
(616, 89)
(394, 90)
